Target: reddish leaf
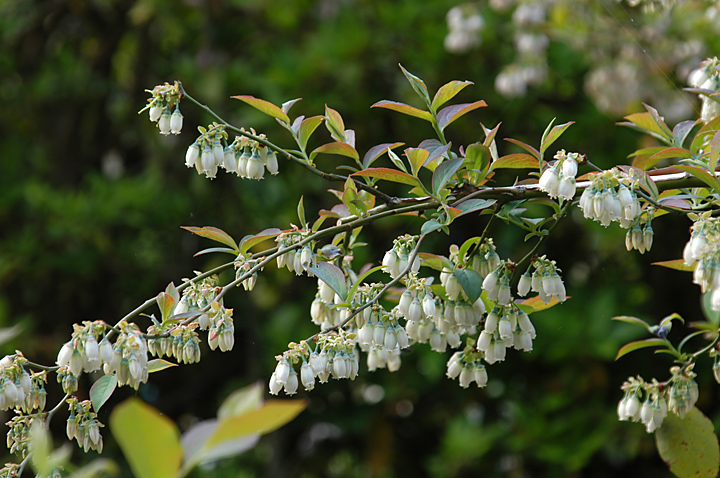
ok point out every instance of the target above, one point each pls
(671, 153)
(702, 175)
(342, 149)
(264, 106)
(389, 175)
(554, 134)
(403, 108)
(447, 115)
(250, 241)
(646, 123)
(375, 152)
(526, 147)
(213, 233)
(515, 161)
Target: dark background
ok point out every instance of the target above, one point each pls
(92, 198)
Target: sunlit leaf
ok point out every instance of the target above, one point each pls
(376, 151)
(334, 124)
(417, 158)
(149, 440)
(534, 152)
(677, 264)
(436, 262)
(264, 106)
(166, 304)
(702, 175)
(307, 128)
(389, 175)
(689, 445)
(156, 365)
(479, 157)
(417, 84)
(640, 344)
(342, 149)
(332, 276)
(213, 233)
(249, 241)
(553, 135)
(448, 92)
(646, 123)
(101, 390)
(536, 304)
(449, 114)
(404, 109)
(242, 401)
(515, 161)
(667, 153)
(195, 439)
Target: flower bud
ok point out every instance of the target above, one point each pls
(524, 284)
(164, 122)
(291, 385)
(271, 162)
(155, 113)
(176, 122)
(307, 376)
(569, 168)
(192, 155)
(229, 160)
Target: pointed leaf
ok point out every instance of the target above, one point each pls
(681, 130)
(404, 109)
(389, 175)
(150, 441)
(671, 153)
(444, 172)
(249, 241)
(216, 249)
(417, 84)
(416, 158)
(101, 390)
(516, 161)
(436, 262)
(659, 121)
(705, 134)
(534, 152)
(194, 442)
(553, 135)
(435, 153)
(172, 291)
(471, 283)
(472, 205)
(640, 344)
(677, 264)
(449, 114)
(264, 106)
(535, 304)
(448, 92)
(430, 226)
(166, 304)
(342, 149)
(332, 276)
(646, 123)
(289, 104)
(396, 160)
(714, 151)
(301, 212)
(689, 445)
(632, 320)
(702, 175)
(213, 233)
(644, 158)
(375, 152)
(307, 128)
(156, 365)
(242, 401)
(334, 124)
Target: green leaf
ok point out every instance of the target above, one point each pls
(307, 128)
(155, 365)
(214, 234)
(242, 401)
(714, 151)
(467, 245)
(404, 109)
(479, 157)
(550, 137)
(210, 250)
(702, 175)
(149, 440)
(705, 134)
(644, 157)
(449, 114)
(334, 124)
(444, 172)
(250, 241)
(689, 446)
(332, 276)
(342, 149)
(301, 213)
(416, 158)
(9, 333)
(417, 84)
(375, 152)
(448, 92)
(534, 152)
(646, 123)
(472, 205)
(666, 153)
(264, 106)
(515, 161)
(640, 344)
(682, 129)
(166, 304)
(632, 320)
(360, 279)
(194, 443)
(535, 304)
(677, 264)
(101, 390)
(471, 283)
(396, 160)
(430, 226)
(436, 262)
(97, 467)
(389, 175)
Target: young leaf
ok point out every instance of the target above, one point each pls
(553, 135)
(301, 212)
(689, 445)
(101, 390)
(417, 84)
(332, 276)
(515, 161)
(149, 440)
(478, 156)
(389, 175)
(343, 149)
(681, 130)
(396, 160)
(335, 124)
(194, 442)
(404, 109)
(249, 241)
(216, 249)
(677, 264)
(535, 304)
(448, 92)
(433, 261)
(214, 234)
(172, 291)
(666, 153)
(417, 158)
(471, 283)
(242, 401)
(156, 365)
(375, 152)
(444, 172)
(166, 304)
(643, 157)
(702, 175)
(472, 205)
(307, 128)
(264, 106)
(640, 344)
(449, 114)
(534, 152)
(632, 320)
(714, 151)
(645, 123)
(285, 107)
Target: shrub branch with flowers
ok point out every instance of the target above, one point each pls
(468, 300)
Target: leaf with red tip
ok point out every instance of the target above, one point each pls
(389, 175)
(265, 107)
(449, 114)
(515, 161)
(250, 241)
(213, 233)
(448, 92)
(342, 149)
(376, 151)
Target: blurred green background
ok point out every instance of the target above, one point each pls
(92, 199)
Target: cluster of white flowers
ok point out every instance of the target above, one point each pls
(678, 395)
(182, 343)
(243, 265)
(335, 355)
(640, 238)
(544, 280)
(396, 259)
(298, 260)
(166, 98)
(245, 157)
(464, 24)
(703, 251)
(324, 311)
(382, 337)
(83, 425)
(559, 179)
(467, 367)
(609, 199)
(707, 77)
(505, 327)
(20, 388)
(128, 359)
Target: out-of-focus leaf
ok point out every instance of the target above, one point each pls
(97, 467)
(515, 161)
(149, 440)
(194, 442)
(101, 390)
(249, 241)
(334, 124)
(264, 106)
(471, 283)
(389, 175)
(404, 109)
(213, 233)
(689, 445)
(677, 264)
(444, 172)
(450, 113)
(714, 151)
(9, 333)
(342, 149)
(448, 92)
(307, 128)
(376, 151)
(436, 262)
(332, 276)
(550, 136)
(241, 401)
(155, 365)
(639, 344)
